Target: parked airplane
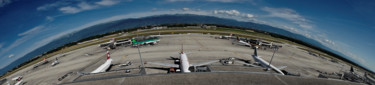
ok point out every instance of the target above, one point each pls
(19, 82)
(225, 37)
(241, 42)
(55, 62)
(265, 64)
(110, 42)
(104, 66)
(147, 41)
(18, 79)
(45, 61)
(184, 63)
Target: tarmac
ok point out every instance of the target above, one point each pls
(212, 78)
(199, 48)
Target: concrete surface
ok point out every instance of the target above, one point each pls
(199, 47)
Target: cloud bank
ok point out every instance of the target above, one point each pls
(71, 7)
(4, 2)
(290, 15)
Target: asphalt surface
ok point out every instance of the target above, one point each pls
(200, 48)
(212, 78)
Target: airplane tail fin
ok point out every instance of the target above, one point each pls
(255, 51)
(182, 48)
(108, 55)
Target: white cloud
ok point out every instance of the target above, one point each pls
(288, 14)
(50, 18)
(34, 30)
(185, 9)
(107, 2)
(249, 15)
(224, 1)
(45, 7)
(322, 38)
(1, 45)
(29, 34)
(340, 48)
(80, 7)
(11, 55)
(69, 9)
(15, 44)
(4, 2)
(227, 12)
(327, 42)
(55, 5)
(234, 13)
(177, 0)
(312, 34)
(85, 6)
(304, 27)
(72, 7)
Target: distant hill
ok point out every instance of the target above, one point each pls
(166, 19)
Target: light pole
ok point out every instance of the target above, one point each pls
(275, 49)
(140, 56)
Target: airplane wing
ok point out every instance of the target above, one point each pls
(19, 82)
(15, 78)
(204, 63)
(103, 67)
(282, 67)
(247, 64)
(173, 58)
(164, 64)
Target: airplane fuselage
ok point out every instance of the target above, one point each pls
(184, 63)
(105, 66)
(244, 43)
(265, 64)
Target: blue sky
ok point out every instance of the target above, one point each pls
(346, 26)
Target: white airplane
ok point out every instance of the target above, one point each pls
(19, 82)
(265, 64)
(184, 63)
(55, 62)
(18, 79)
(225, 37)
(104, 66)
(244, 43)
(241, 42)
(110, 42)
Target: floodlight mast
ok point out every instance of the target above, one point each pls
(274, 51)
(140, 56)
